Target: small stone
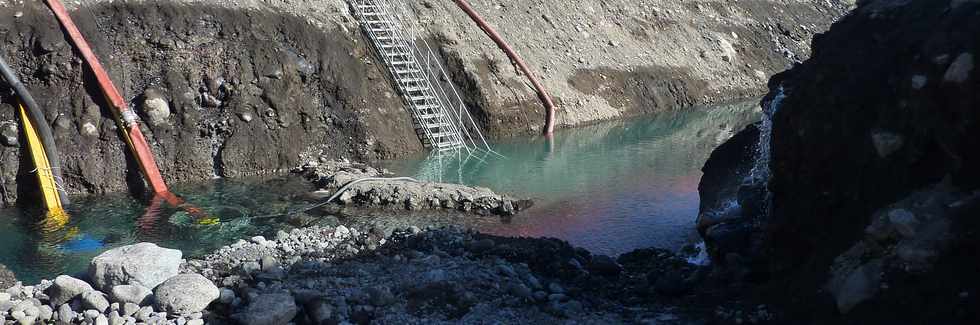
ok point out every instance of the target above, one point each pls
(89, 129)
(380, 296)
(8, 134)
(557, 297)
(101, 320)
(520, 290)
(156, 108)
(136, 294)
(95, 300)
(65, 288)
(91, 314)
(185, 294)
(554, 287)
(116, 319)
(195, 322)
(45, 312)
(904, 222)
(246, 116)
(268, 309)
(4, 297)
(18, 315)
(959, 71)
(129, 309)
(144, 313)
(65, 312)
(540, 295)
(258, 239)
(251, 267)
(886, 143)
(919, 81)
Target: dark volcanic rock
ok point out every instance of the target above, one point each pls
(883, 117)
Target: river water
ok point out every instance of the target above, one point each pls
(610, 188)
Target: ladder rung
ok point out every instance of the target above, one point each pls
(420, 98)
(389, 46)
(442, 145)
(426, 106)
(406, 71)
(442, 135)
(402, 62)
(437, 125)
(398, 54)
(429, 116)
(382, 30)
(411, 80)
(414, 89)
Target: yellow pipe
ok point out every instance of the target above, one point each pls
(49, 188)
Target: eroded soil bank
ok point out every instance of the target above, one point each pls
(245, 87)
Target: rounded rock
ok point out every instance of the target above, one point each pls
(65, 288)
(95, 300)
(185, 294)
(145, 264)
(136, 294)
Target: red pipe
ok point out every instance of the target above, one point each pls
(549, 124)
(124, 115)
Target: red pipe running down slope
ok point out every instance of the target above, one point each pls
(124, 115)
(549, 126)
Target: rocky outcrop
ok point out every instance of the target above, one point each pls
(406, 194)
(874, 169)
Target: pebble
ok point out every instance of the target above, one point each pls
(129, 309)
(65, 312)
(554, 287)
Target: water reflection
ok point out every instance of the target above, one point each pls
(610, 187)
(36, 246)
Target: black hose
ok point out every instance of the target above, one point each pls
(40, 123)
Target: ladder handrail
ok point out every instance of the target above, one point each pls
(422, 73)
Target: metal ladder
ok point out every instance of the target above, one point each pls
(440, 117)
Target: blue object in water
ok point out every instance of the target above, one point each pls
(82, 243)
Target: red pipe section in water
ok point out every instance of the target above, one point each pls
(124, 115)
(549, 124)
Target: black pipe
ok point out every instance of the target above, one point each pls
(40, 123)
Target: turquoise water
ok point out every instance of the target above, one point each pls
(610, 188)
(34, 248)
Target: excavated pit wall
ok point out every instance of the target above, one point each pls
(235, 88)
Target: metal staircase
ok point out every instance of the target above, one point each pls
(441, 119)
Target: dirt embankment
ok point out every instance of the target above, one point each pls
(618, 58)
(221, 92)
(243, 87)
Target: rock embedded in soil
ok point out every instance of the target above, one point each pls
(144, 264)
(185, 294)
